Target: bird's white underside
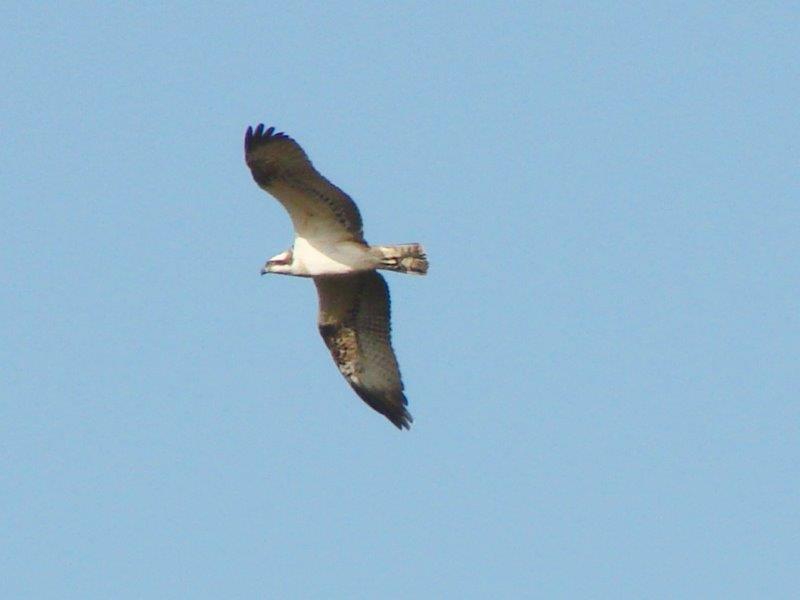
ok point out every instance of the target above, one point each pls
(329, 258)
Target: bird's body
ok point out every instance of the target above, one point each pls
(329, 246)
(324, 257)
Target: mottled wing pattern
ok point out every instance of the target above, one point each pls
(354, 320)
(319, 210)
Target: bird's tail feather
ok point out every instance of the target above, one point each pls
(405, 258)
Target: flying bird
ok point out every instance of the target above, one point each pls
(329, 247)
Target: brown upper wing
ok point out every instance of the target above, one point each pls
(319, 210)
(354, 320)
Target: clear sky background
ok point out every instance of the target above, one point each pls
(602, 363)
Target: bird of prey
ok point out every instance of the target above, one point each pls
(329, 246)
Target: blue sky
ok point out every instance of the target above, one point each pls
(602, 363)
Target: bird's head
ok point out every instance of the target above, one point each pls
(282, 264)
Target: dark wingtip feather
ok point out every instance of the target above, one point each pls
(394, 411)
(401, 420)
(248, 138)
(400, 415)
(254, 138)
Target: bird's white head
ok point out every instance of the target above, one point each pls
(281, 264)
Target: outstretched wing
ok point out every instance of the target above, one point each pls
(354, 322)
(319, 210)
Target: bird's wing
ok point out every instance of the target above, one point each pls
(319, 210)
(354, 315)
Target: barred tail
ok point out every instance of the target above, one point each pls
(405, 258)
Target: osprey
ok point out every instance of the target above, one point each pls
(329, 246)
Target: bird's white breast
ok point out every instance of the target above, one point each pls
(329, 258)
